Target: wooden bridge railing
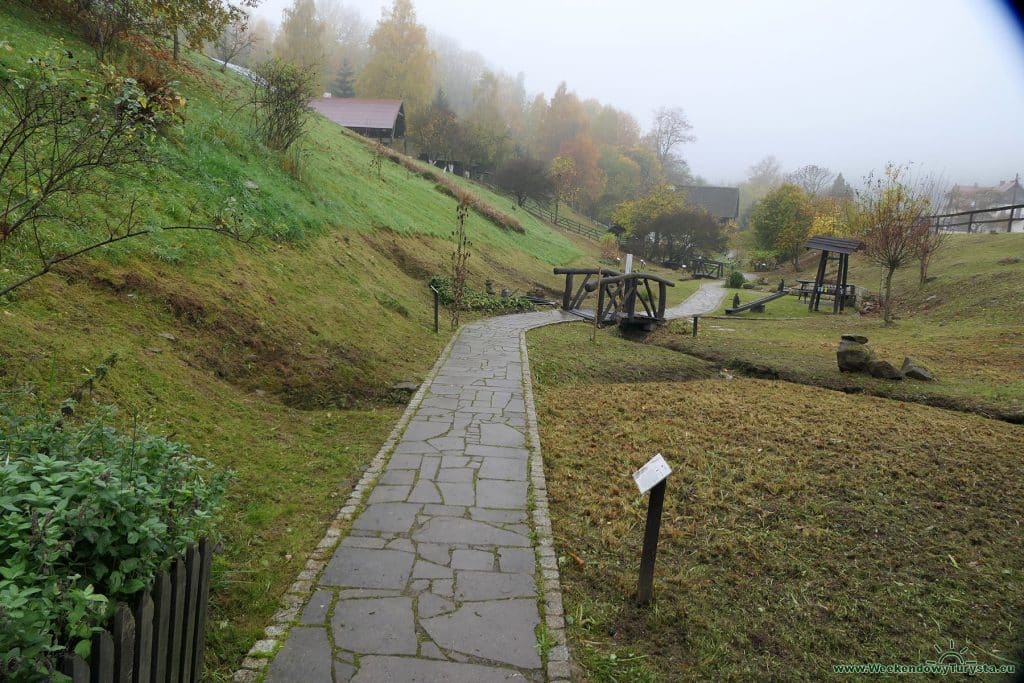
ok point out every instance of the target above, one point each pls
(571, 298)
(968, 221)
(704, 267)
(617, 296)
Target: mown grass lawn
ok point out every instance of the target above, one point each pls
(966, 324)
(803, 527)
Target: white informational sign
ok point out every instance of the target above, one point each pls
(651, 474)
(629, 264)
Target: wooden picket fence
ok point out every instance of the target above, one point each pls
(159, 638)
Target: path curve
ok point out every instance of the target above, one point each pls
(439, 575)
(704, 300)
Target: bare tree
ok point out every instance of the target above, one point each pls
(814, 180)
(891, 208)
(671, 128)
(236, 40)
(929, 241)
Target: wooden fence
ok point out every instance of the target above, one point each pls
(159, 638)
(567, 223)
(999, 218)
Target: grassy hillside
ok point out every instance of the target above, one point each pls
(274, 358)
(964, 323)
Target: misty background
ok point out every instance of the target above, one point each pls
(840, 85)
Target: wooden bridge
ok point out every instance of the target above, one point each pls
(617, 297)
(704, 267)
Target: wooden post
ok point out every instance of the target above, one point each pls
(1009, 223)
(124, 642)
(162, 625)
(567, 295)
(845, 266)
(837, 293)
(102, 658)
(695, 319)
(970, 221)
(143, 639)
(437, 296)
(192, 569)
(177, 620)
(600, 303)
(662, 297)
(206, 550)
(819, 279)
(650, 551)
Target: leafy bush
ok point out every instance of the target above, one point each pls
(89, 517)
(474, 300)
(735, 280)
(280, 97)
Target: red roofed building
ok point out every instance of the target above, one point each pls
(382, 120)
(970, 197)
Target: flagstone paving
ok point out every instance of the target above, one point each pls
(439, 577)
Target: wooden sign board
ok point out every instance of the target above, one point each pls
(651, 474)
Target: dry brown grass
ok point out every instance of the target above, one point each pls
(802, 528)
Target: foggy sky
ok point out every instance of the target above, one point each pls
(849, 86)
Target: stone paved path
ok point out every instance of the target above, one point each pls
(704, 300)
(439, 577)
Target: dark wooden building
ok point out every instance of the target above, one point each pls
(382, 120)
(721, 202)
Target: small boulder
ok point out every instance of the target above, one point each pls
(405, 386)
(853, 356)
(883, 369)
(859, 338)
(914, 370)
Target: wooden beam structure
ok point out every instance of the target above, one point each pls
(838, 250)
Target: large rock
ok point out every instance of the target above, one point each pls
(914, 370)
(853, 356)
(859, 338)
(883, 369)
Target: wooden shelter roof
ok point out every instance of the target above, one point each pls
(834, 244)
(357, 113)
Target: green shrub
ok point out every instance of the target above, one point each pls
(89, 517)
(735, 280)
(474, 300)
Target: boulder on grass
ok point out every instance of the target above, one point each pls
(914, 370)
(859, 338)
(853, 356)
(883, 369)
